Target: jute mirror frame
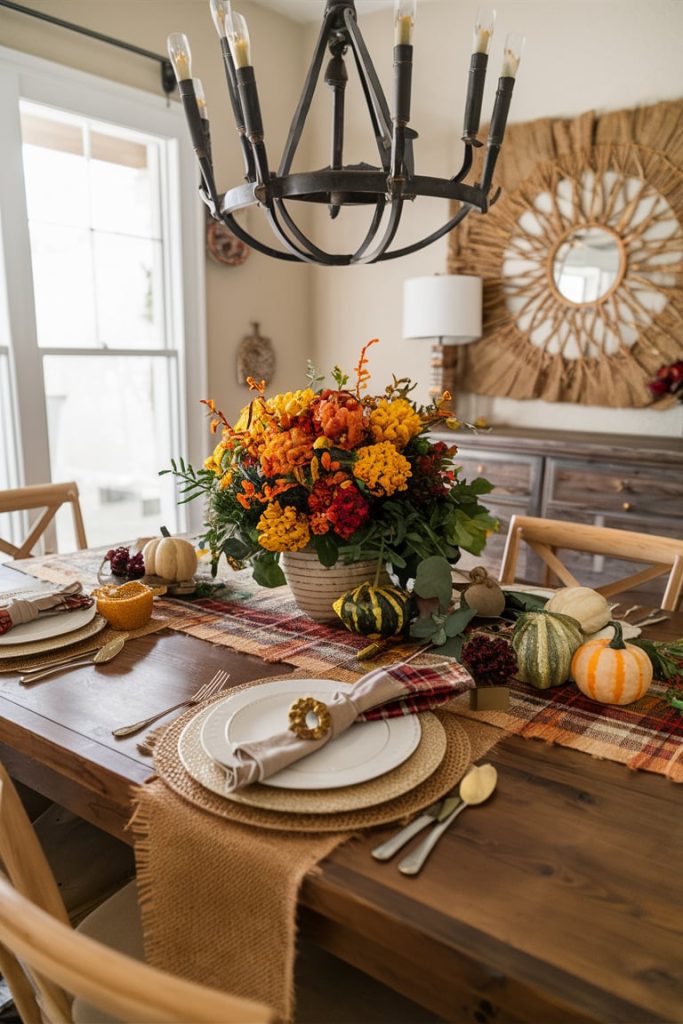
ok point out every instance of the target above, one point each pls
(622, 171)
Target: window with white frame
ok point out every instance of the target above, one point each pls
(96, 373)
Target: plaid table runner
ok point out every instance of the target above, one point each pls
(646, 735)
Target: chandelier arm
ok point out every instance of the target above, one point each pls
(466, 164)
(329, 259)
(310, 83)
(372, 230)
(501, 109)
(403, 76)
(389, 233)
(320, 254)
(475, 93)
(231, 79)
(381, 138)
(249, 100)
(367, 72)
(254, 243)
(434, 237)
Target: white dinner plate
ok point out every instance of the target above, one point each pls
(363, 752)
(49, 626)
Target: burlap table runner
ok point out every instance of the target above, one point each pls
(219, 898)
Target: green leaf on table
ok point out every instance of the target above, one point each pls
(267, 572)
(517, 602)
(236, 548)
(424, 627)
(459, 619)
(433, 579)
(453, 647)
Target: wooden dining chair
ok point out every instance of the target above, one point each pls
(46, 962)
(49, 497)
(546, 536)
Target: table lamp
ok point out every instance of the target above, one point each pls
(446, 307)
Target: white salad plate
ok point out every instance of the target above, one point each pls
(45, 627)
(365, 751)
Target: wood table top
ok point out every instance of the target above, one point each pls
(561, 901)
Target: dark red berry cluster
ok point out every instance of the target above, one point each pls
(669, 381)
(124, 564)
(491, 662)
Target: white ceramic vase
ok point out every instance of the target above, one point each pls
(316, 588)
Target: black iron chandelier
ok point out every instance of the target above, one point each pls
(384, 188)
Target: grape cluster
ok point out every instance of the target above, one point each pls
(124, 564)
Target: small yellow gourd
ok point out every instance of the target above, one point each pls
(611, 671)
(172, 558)
(589, 608)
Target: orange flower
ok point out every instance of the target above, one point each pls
(255, 385)
(362, 374)
(286, 450)
(340, 418)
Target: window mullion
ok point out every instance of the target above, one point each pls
(27, 370)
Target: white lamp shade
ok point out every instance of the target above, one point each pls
(445, 306)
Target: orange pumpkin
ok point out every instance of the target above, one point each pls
(611, 671)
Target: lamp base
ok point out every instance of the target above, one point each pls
(446, 363)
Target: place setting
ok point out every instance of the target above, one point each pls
(318, 755)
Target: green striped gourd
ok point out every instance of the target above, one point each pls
(544, 643)
(373, 611)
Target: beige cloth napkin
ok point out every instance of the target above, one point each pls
(25, 609)
(386, 692)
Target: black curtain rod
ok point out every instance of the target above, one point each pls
(168, 80)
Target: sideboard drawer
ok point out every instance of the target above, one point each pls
(638, 491)
(514, 476)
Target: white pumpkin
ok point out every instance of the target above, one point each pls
(589, 608)
(172, 558)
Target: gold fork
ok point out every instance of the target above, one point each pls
(213, 686)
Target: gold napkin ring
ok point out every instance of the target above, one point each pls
(298, 713)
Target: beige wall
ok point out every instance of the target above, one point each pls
(262, 289)
(579, 55)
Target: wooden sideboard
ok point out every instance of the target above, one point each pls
(627, 482)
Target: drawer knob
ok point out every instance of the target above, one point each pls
(481, 467)
(622, 485)
(627, 506)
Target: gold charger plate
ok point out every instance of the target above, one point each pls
(53, 643)
(415, 769)
(449, 772)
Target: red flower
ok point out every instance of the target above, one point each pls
(348, 511)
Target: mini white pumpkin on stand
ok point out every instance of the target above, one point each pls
(173, 559)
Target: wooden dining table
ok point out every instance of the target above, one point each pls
(558, 901)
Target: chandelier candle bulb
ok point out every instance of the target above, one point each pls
(484, 23)
(200, 98)
(404, 22)
(512, 54)
(180, 55)
(238, 38)
(220, 9)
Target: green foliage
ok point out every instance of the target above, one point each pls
(433, 579)
(340, 378)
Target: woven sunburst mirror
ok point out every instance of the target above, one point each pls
(582, 260)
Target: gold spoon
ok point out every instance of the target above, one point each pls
(104, 654)
(475, 788)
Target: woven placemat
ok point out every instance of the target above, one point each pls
(81, 642)
(424, 760)
(451, 769)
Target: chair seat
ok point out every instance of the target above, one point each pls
(88, 864)
(116, 923)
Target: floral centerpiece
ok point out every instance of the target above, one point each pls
(347, 475)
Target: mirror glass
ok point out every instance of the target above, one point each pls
(587, 264)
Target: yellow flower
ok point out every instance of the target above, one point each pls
(283, 529)
(290, 405)
(214, 461)
(382, 469)
(395, 421)
(252, 417)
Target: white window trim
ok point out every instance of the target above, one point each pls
(33, 78)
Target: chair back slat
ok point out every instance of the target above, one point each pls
(49, 497)
(546, 536)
